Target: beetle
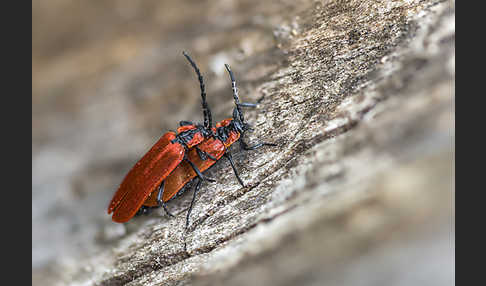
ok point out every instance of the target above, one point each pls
(147, 175)
(226, 133)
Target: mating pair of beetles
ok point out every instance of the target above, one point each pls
(176, 159)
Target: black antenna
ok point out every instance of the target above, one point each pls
(208, 121)
(235, 92)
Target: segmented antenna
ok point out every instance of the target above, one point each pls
(208, 121)
(235, 92)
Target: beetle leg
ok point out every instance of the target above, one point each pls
(184, 123)
(230, 159)
(199, 174)
(245, 146)
(248, 104)
(201, 154)
(198, 185)
(211, 157)
(160, 201)
(144, 210)
(204, 155)
(166, 210)
(140, 211)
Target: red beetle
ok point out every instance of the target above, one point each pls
(168, 152)
(227, 132)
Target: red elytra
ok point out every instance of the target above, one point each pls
(145, 177)
(148, 173)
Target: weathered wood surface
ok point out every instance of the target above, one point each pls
(358, 94)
